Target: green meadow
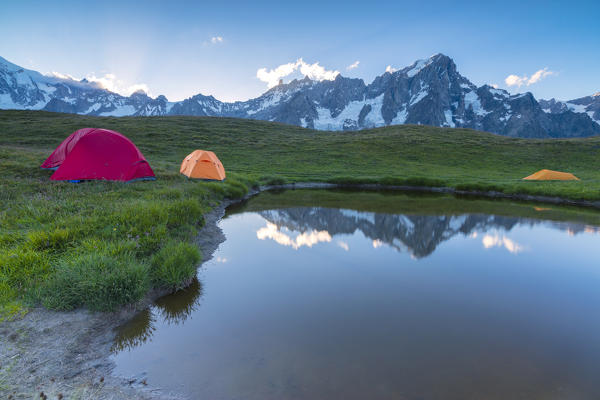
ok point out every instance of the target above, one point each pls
(101, 245)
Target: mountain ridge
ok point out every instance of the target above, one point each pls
(428, 92)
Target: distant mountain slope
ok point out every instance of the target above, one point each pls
(589, 105)
(428, 92)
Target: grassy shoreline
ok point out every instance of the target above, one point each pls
(104, 244)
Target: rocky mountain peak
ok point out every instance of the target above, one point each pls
(437, 61)
(442, 59)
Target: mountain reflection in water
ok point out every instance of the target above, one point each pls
(418, 235)
(297, 227)
(326, 295)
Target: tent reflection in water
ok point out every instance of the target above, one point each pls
(549, 175)
(203, 164)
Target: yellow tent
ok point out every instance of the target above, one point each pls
(548, 175)
(202, 164)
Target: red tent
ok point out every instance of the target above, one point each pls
(92, 153)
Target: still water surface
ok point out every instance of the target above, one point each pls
(437, 298)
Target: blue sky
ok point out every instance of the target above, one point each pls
(179, 48)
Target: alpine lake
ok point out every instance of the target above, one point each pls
(335, 294)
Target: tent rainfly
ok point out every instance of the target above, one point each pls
(549, 175)
(203, 164)
(102, 154)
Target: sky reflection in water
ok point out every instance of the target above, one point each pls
(322, 303)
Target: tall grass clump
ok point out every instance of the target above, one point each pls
(97, 281)
(54, 240)
(184, 212)
(174, 265)
(21, 268)
(9, 308)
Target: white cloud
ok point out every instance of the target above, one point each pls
(518, 81)
(313, 71)
(494, 85)
(539, 75)
(317, 72)
(58, 75)
(213, 41)
(514, 80)
(112, 83)
(496, 240)
(273, 76)
(390, 69)
(107, 81)
(353, 65)
(138, 87)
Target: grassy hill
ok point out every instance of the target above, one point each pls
(102, 244)
(257, 149)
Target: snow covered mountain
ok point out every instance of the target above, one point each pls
(589, 105)
(24, 89)
(428, 92)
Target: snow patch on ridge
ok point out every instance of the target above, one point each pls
(419, 96)
(119, 111)
(351, 112)
(93, 108)
(400, 117)
(498, 92)
(266, 103)
(472, 100)
(417, 67)
(578, 108)
(448, 115)
(7, 103)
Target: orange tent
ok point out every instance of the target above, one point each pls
(548, 175)
(203, 164)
